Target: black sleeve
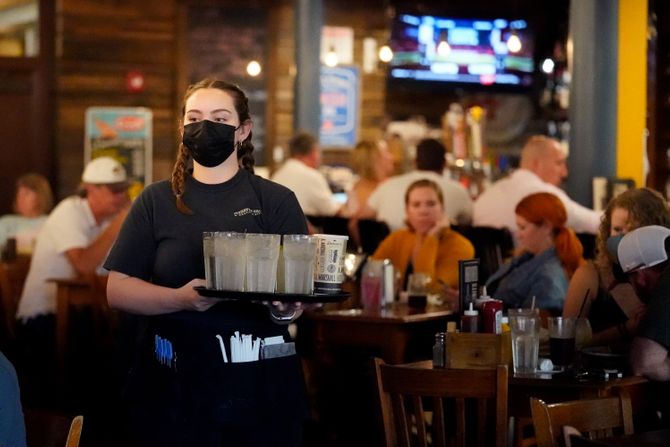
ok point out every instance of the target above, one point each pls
(288, 217)
(135, 247)
(284, 214)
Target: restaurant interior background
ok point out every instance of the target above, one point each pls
(59, 58)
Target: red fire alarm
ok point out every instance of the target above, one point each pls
(135, 81)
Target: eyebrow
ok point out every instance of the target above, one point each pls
(213, 111)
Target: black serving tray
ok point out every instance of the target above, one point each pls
(268, 296)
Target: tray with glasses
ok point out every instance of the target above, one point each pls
(274, 296)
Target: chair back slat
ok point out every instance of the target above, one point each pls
(595, 418)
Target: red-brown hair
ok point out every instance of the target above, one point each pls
(545, 207)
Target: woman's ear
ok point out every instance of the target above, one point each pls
(245, 130)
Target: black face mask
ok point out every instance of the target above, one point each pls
(210, 143)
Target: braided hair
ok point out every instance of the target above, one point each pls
(244, 149)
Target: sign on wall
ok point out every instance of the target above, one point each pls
(125, 134)
(339, 106)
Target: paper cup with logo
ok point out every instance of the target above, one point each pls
(329, 269)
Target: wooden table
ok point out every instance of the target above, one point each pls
(77, 292)
(336, 347)
(395, 332)
(656, 438)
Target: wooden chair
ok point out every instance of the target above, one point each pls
(50, 429)
(492, 246)
(372, 233)
(12, 277)
(406, 393)
(74, 435)
(594, 418)
(588, 242)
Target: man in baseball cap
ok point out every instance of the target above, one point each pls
(644, 257)
(73, 242)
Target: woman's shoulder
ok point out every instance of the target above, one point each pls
(161, 188)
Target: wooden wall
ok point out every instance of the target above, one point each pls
(97, 44)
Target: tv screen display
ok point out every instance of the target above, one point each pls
(468, 51)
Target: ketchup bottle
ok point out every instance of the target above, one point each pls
(491, 313)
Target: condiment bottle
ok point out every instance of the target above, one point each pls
(470, 320)
(491, 313)
(440, 350)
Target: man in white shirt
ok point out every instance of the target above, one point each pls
(76, 236)
(299, 174)
(74, 241)
(542, 169)
(387, 202)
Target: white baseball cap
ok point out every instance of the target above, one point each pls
(104, 171)
(643, 248)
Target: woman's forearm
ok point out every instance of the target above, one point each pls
(137, 296)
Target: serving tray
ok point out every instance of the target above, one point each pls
(268, 296)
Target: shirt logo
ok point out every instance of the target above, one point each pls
(247, 211)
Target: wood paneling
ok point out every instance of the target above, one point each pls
(98, 43)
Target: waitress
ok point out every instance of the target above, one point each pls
(180, 391)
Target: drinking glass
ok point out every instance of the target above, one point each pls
(208, 253)
(525, 327)
(417, 289)
(262, 253)
(299, 255)
(229, 254)
(562, 340)
(371, 284)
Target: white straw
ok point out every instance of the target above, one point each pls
(532, 303)
(223, 349)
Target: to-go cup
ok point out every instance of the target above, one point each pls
(329, 270)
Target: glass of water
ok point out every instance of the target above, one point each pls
(525, 326)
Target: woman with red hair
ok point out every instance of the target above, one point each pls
(549, 253)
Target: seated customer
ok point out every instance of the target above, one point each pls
(609, 301)
(643, 255)
(428, 245)
(73, 241)
(12, 427)
(32, 204)
(549, 254)
(373, 163)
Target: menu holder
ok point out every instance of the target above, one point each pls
(273, 296)
(468, 281)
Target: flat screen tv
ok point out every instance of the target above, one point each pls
(464, 51)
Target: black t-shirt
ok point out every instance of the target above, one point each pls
(159, 244)
(198, 399)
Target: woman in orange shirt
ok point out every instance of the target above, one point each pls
(427, 245)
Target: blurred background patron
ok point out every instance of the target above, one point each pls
(32, 204)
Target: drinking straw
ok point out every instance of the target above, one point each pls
(223, 349)
(581, 309)
(532, 303)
